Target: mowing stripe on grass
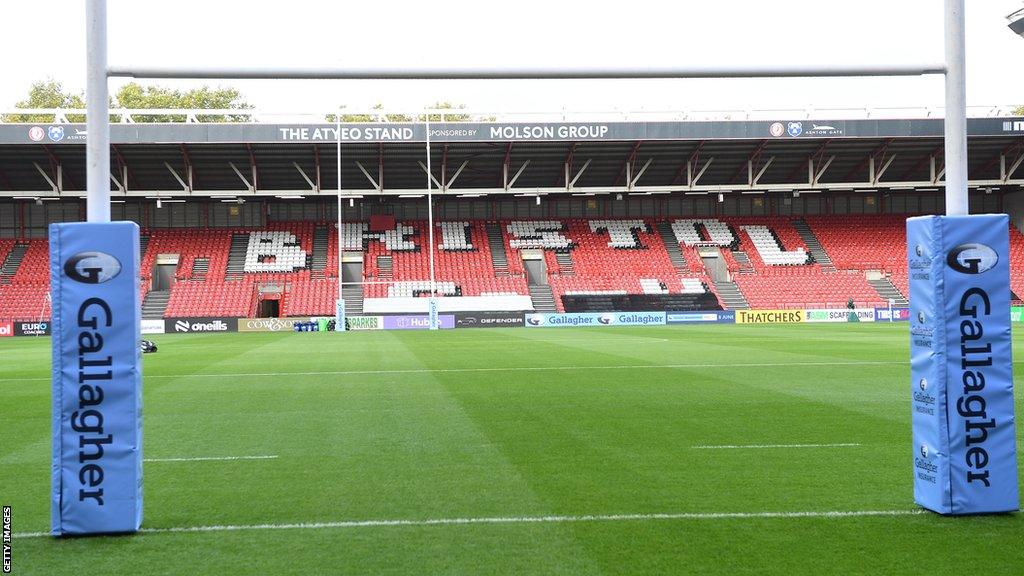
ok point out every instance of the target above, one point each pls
(830, 514)
(211, 458)
(756, 446)
(511, 369)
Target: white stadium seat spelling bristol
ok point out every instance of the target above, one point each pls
(771, 253)
(455, 236)
(414, 288)
(538, 234)
(621, 233)
(719, 233)
(274, 251)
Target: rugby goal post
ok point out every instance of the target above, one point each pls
(107, 497)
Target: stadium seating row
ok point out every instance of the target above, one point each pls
(582, 257)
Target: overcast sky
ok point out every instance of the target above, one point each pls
(41, 39)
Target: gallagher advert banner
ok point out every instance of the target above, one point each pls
(97, 378)
(961, 383)
(596, 319)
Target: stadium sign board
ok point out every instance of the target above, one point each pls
(488, 319)
(770, 316)
(839, 315)
(153, 133)
(1017, 314)
(364, 323)
(417, 322)
(541, 320)
(961, 384)
(270, 324)
(32, 328)
(892, 314)
(701, 317)
(202, 325)
(153, 326)
(97, 378)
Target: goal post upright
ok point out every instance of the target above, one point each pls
(339, 305)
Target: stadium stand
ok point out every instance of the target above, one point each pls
(612, 257)
(866, 242)
(462, 264)
(589, 264)
(24, 290)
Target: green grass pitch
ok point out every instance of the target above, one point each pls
(515, 424)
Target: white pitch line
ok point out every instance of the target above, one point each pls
(210, 458)
(527, 369)
(519, 520)
(754, 446)
(509, 369)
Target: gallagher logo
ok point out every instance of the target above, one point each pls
(972, 258)
(92, 267)
(534, 320)
(606, 319)
(923, 384)
(924, 451)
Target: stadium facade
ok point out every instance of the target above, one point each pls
(240, 220)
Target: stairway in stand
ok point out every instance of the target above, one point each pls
(730, 296)
(744, 261)
(155, 304)
(236, 257)
(543, 298)
(12, 262)
(564, 263)
(200, 267)
(320, 240)
(888, 291)
(384, 267)
(675, 255)
(813, 245)
(353, 296)
(497, 244)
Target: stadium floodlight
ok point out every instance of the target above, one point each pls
(1016, 22)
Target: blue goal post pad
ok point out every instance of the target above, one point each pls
(965, 459)
(97, 378)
